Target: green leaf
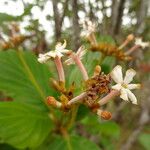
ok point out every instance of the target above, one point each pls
(106, 128)
(82, 112)
(108, 64)
(27, 11)
(23, 125)
(110, 128)
(90, 61)
(23, 78)
(108, 143)
(6, 17)
(6, 147)
(76, 143)
(105, 39)
(144, 140)
(74, 75)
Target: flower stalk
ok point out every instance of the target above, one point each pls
(60, 69)
(77, 98)
(129, 38)
(92, 39)
(108, 97)
(138, 44)
(80, 65)
(132, 49)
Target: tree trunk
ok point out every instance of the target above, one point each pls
(114, 12)
(75, 26)
(58, 18)
(141, 14)
(91, 13)
(117, 14)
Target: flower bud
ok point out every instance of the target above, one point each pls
(53, 102)
(106, 115)
(97, 70)
(130, 37)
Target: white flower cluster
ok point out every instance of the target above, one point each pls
(88, 28)
(59, 50)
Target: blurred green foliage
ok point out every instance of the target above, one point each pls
(144, 140)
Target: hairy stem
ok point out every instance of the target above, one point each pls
(132, 49)
(77, 98)
(92, 39)
(66, 137)
(80, 65)
(60, 69)
(123, 44)
(108, 97)
(73, 117)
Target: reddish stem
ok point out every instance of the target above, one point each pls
(124, 44)
(108, 97)
(80, 65)
(132, 49)
(60, 69)
(77, 98)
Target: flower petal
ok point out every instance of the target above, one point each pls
(69, 61)
(124, 94)
(138, 41)
(132, 97)
(88, 28)
(116, 74)
(64, 44)
(133, 86)
(43, 58)
(59, 46)
(81, 52)
(130, 73)
(84, 34)
(117, 87)
(51, 54)
(59, 54)
(65, 51)
(41, 55)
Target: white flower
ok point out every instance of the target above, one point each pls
(59, 50)
(138, 41)
(88, 28)
(80, 53)
(123, 84)
(43, 58)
